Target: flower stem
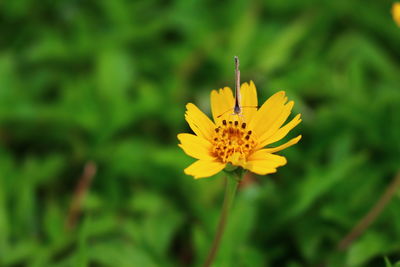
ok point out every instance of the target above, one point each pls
(231, 183)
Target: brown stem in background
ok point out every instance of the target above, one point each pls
(80, 191)
(371, 216)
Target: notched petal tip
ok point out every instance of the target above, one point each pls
(263, 162)
(279, 160)
(283, 163)
(204, 168)
(180, 136)
(280, 93)
(289, 104)
(279, 97)
(190, 106)
(244, 84)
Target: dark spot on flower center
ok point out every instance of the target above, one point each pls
(232, 143)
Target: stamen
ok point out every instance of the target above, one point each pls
(232, 142)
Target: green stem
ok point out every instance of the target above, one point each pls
(231, 183)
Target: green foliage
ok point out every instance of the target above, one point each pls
(389, 264)
(107, 81)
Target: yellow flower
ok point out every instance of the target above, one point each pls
(396, 13)
(238, 139)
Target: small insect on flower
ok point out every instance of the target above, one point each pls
(396, 13)
(238, 134)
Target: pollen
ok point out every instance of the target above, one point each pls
(232, 142)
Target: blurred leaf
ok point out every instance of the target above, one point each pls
(279, 51)
(368, 246)
(155, 209)
(118, 253)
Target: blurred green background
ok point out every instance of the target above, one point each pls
(107, 82)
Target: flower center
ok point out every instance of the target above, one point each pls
(232, 142)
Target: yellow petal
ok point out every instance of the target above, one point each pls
(274, 126)
(195, 146)
(222, 103)
(268, 138)
(199, 122)
(285, 145)
(204, 168)
(268, 113)
(262, 162)
(396, 13)
(263, 154)
(249, 100)
(259, 167)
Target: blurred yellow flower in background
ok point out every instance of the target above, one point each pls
(238, 140)
(396, 13)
